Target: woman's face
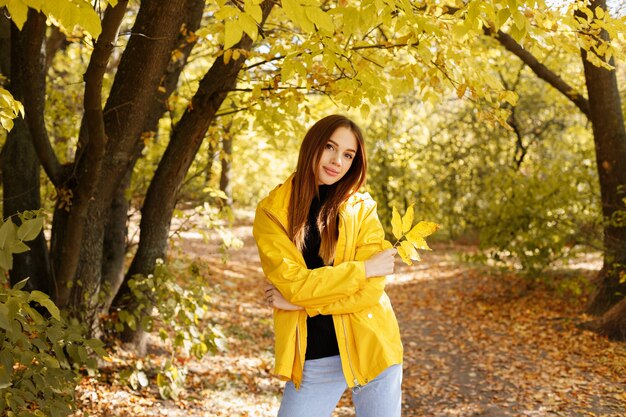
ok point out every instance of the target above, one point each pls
(337, 156)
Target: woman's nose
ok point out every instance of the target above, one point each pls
(336, 160)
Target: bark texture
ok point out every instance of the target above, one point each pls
(20, 165)
(163, 191)
(609, 135)
(115, 232)
(604, 111)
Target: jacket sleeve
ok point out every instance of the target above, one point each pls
(369, 242)
(286, 269)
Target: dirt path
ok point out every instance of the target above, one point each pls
(475, 345)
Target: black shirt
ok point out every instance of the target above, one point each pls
(321, 338)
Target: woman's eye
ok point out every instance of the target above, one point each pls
(329, 146)
(349, 156)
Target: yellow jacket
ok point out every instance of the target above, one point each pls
(367, 330)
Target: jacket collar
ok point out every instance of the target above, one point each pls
(277, 202)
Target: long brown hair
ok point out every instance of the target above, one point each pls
(305, 186)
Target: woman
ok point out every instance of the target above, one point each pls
(321, 248)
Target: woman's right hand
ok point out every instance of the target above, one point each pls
(380, 264)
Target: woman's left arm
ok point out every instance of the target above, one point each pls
(369, 242)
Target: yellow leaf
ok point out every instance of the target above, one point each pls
(396, 223)
(460, 91)
(321, 19)
(387, 244)
(418, 242)
(253, 10)
(365, 111)
(407, 219)
(227, 55)
(410, 250)
(423, 229)
(405, 258)
(459, 31)
(249, 26)
(503, 16)
(520, 20)
(232, 34)
(19, 12)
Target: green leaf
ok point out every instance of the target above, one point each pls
(52, 308)
(7, 234)
(5, 320)
(407, 219)
(20, 284)
(6, 259)
(396, 223)
(19, 247)
(30, 229)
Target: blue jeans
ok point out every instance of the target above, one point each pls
(323, 385)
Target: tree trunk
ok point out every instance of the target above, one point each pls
(139, 74)
(115, 233)
(114, 244)
(609, 133)
(5, 44)
(613, 322)
(212, 155)
(20, 182)
(163, 191)
(227, 162)
(20, 168)
(603, 109)
(85, 216)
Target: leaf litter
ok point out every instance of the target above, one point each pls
(477, 341)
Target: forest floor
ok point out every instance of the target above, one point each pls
(478, 342)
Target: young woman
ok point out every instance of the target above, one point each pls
(321, 248)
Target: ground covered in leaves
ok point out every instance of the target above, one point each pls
(478, 342)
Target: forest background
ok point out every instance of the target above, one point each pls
(131, 126)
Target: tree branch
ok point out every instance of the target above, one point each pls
(541, 70)
(90, 164)
(34, 95)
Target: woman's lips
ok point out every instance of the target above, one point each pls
(331, 172)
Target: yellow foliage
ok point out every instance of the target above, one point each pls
(409, 240)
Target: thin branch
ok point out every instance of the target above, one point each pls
(542, 71)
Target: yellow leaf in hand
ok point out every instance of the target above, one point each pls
(418, 242)
(396, 224)
(387, 244)
(410, 250)
(405, 257)
(407, 219)
(423, 229)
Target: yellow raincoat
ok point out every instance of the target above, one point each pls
(367, 330)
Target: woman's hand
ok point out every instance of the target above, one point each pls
(380, 264)
(276, 300)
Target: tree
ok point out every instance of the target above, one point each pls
(604, 110)
(264, 67)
